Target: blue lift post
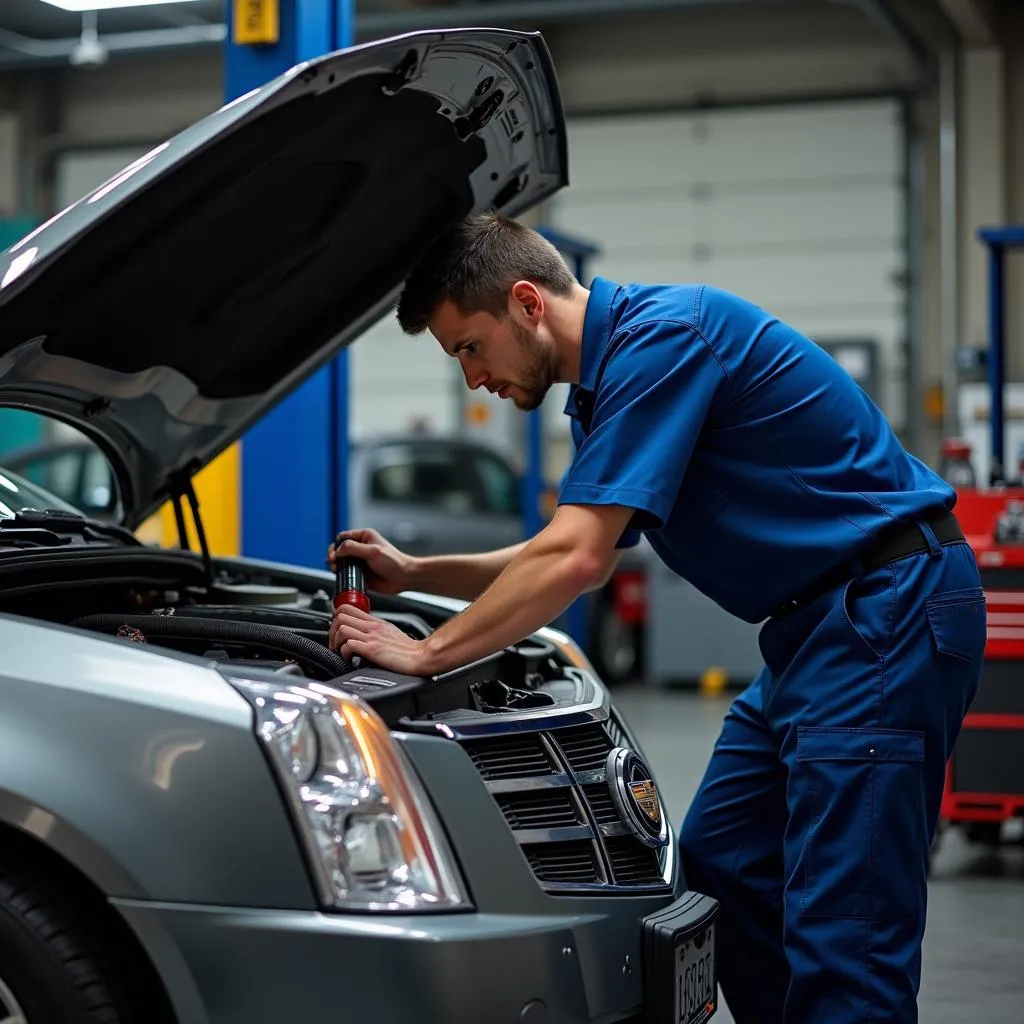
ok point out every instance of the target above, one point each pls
(301, 447)
(998, 241)
(577, 251)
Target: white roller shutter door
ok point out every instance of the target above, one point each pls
(799, 208)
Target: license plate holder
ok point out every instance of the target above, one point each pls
(679, 946)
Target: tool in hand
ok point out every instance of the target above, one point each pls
(350, 584)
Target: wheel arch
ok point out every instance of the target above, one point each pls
(26, 845)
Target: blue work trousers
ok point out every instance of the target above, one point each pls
(813, 823)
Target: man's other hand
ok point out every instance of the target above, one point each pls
(388, 570)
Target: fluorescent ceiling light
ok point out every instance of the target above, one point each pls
(79, 6)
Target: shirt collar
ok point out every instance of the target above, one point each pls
(596, 332)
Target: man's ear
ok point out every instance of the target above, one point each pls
(528, 295)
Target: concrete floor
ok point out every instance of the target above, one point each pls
(973, 966)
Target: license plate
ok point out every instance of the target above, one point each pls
(696, 980)
(680, 977)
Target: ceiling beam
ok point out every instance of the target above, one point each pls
(974, 20)
(18, 51)
(891, 23)
(501, 13)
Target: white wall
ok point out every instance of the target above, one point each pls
(9, 152)
(1015, 181)
(138, 100)
(729, 55)
(8, 164)
(983, 166)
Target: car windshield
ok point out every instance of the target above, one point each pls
(17, 495)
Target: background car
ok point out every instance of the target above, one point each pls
(75, 471)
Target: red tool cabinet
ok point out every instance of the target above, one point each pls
(985, 775)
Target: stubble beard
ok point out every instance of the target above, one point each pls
(537, 372)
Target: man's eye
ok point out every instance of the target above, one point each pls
(471, 348)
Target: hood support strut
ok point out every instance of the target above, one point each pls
(181, 488)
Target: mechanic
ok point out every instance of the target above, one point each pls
(761, 472)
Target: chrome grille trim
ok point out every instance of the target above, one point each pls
(611, 830)
(526, 836)
(529, 782)
(600, 853)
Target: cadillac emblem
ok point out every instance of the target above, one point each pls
(636, 796)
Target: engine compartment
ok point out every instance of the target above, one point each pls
(277, 621)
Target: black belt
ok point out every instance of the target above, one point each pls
(890, 546)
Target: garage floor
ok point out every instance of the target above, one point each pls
(974, 943)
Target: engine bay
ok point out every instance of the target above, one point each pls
(278, 621)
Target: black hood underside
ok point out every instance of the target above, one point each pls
(167, 311)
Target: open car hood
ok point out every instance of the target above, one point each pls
(169, 309)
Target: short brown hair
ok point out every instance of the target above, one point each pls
(475, 265)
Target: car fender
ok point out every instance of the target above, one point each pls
(141, 768)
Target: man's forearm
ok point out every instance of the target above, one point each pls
(462, 576)
(536, 587)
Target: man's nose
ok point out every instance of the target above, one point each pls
(474, 378)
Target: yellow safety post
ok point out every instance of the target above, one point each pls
(218, 487)
(713, 681)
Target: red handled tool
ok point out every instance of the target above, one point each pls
(350, 584)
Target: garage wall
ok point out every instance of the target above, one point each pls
(107, 116)
(721, 56)
(77, 172)
(651, 61)
(799, 208)
(138, 100)
(9, 152)
(983, 165)
(1014, 36)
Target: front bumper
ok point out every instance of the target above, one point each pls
(236, 966)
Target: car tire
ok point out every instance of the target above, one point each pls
(616, 647)
(53, 967)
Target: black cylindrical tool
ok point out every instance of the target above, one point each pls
(350, 584)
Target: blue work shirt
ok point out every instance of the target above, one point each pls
(753, 461)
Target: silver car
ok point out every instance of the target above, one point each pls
(206, 814)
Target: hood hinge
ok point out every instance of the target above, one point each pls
(181, 488)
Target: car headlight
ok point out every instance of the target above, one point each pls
(568, 647)
(371, 834)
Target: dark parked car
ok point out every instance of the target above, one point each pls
(75, 471)
(206, 814)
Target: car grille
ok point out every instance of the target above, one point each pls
(552, 789)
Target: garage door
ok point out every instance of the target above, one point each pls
(799, 208)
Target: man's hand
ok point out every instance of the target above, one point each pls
(568, 557)
(355, 633)
(388, 570)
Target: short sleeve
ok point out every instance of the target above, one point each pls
(659, 382)
(629, 538)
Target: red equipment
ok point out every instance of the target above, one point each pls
(985, 776)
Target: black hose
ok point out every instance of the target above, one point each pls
(290, 618)
(273, 638)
